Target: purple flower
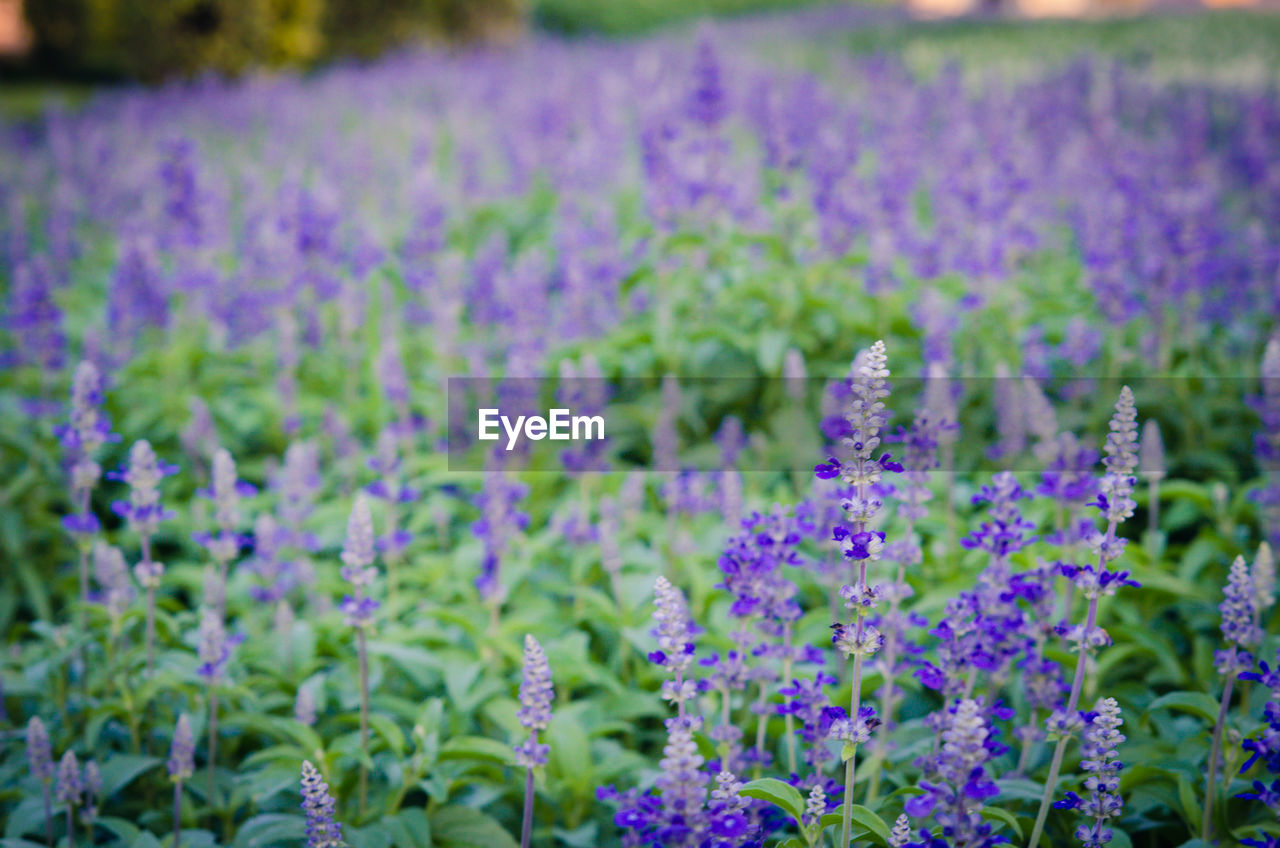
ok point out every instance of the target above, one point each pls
(33, 316)
(1100, 760)
(143, 473)
(318, 804)
(674, 631)
(956, 779)
(70, 785)
(1239, 621)
(1007, 532)
(214, 648)
(536, 694)
(182, 751)
(39, 752)
(304, 706)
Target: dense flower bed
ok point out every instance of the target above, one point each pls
(284, 618)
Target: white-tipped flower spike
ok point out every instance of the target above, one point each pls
(867, 415)
(182, 751)
(1264, 579)
(901, 833)
(70, 786)
(675, 642)
(1121, 449)
(1151, 451)
(318, 804)
(359, 552)
(1102, 737)
(304, 706)
(536, 691)
(794, 374)
(1042, 421)
(536, 694)
(39, 751)
(1239, 622)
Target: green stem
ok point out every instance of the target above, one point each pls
(1072, 703)
(1206, 825)
(362, 649)
(790, 719)
(48, 816)
(213, 744)
(177, 814)
(526, 824)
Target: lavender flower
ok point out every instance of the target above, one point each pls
(182, 751)
(730, 823)
(862, 471)
(1100, 759)
(1239, 621)
(39, 751)
(682, 785)
(1267, 441)
(318, 804)
(143, 473)
(536, 694)
(1241, 632)
(357, 556)
(901, 833)
(1264, 580)
(304, 706)
(956, 779)
(86, 431)
(213, 646)
(225, 492)
(40, 763)
(92, 790)
(214, 650)
(675, 642)
(1121, 459)
(116, 592)
(1116, 503)
(70, 791)
(84, 434)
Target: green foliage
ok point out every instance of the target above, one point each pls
(622, 17)
(155, 39)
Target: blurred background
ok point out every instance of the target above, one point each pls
(93, 41)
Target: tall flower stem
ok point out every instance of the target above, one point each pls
(71, 826)
(888, 701)
(213, 743)
(787, 674)
(1215, 751)
(1073, 701)
(363, 651)
(526, 823)
(48, 815)
(177, 814)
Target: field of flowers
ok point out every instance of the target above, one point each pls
(936, 506)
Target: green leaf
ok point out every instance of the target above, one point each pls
(780, 794)
(455, 826)
(409, 829)
(1190, 803)
(872, 823)
(390, 732)
(476, 748)
(1000, 815)
(121, 770)
(270, 829)
(1189, 702)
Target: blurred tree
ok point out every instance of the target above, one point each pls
(156, 39)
